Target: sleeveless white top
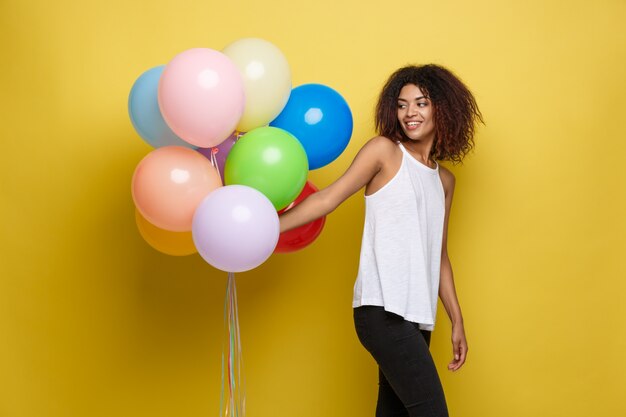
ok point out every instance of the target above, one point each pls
(401, 248)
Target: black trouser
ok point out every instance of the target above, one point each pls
(408, 380)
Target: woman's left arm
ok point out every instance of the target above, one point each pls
(447, 292)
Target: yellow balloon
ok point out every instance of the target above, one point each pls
(267, 80)
(170, 243)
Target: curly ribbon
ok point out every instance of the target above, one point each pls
(234, 404)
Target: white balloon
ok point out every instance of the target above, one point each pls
(267, 80)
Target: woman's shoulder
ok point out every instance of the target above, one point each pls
(381, 144)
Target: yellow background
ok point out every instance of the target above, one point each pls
(94, 322)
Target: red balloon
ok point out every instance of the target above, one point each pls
(303, 236)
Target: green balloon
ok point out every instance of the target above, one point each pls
(270, 160)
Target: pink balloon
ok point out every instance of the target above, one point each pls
(221, 152)
(169, 184)
(201, 96)
(235, 228)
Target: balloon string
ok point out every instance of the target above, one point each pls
(240, 376)
(214, 151)
(231, 380)
(224, 411)
(234, 405)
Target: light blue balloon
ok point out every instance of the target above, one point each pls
(144, 112)
(320, 119)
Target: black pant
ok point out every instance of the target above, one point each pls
(408, 381)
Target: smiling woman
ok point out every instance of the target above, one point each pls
(424, 114)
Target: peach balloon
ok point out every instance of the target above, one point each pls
(169, 184)
(169, 243)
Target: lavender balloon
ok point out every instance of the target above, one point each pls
(235, 228)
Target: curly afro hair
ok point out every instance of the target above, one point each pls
(455, 112)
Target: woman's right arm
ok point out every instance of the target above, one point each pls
(364, 167)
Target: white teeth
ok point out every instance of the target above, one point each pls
(411, 123)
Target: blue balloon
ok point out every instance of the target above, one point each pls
(320, 119)
(143, 109)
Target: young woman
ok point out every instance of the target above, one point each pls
(424, 114)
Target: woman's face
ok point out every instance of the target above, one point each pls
(415, 114)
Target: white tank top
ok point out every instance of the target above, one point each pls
(401, 248)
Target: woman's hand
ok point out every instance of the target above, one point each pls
(459, 347)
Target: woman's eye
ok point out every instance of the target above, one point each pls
(423, 104)
(402, 106)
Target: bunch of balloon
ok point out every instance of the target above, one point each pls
(210, 188)
(196, 106)
(202, 101)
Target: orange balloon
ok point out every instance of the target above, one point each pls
(169, 184)
(170, 243)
